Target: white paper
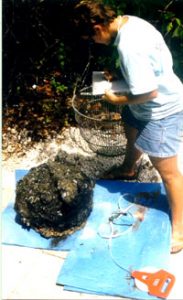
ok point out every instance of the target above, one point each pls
(100, 84)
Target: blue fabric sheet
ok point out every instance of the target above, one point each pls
(13, 233)
(92, 268)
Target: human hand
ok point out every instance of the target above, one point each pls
(110, 75)
(109, 96)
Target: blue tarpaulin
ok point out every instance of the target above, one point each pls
(100, 262)
(100, 265)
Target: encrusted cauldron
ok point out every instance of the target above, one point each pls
(54, 198)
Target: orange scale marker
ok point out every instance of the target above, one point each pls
(159, 283)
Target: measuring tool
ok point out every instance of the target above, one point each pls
(159, 284)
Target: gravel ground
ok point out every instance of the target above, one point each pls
(71, 144)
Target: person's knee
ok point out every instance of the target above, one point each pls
(168, 177)
(167, 169)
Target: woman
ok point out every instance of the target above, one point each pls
(153, 109)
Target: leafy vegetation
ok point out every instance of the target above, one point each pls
(44, 60)
(39, 38)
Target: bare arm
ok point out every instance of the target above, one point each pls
(129, 99)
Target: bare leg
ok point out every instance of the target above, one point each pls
(132, 154)
(127, 170)
(173, 181)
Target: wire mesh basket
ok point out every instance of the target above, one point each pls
(99, 122)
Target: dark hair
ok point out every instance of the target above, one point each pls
(89, 13)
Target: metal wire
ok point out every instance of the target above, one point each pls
(99, 122)
(115, 215)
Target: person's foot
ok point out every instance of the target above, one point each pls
(176, 245)
(119, 173)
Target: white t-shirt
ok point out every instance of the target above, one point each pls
(146, 64)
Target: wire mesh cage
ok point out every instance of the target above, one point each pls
(99, 122)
